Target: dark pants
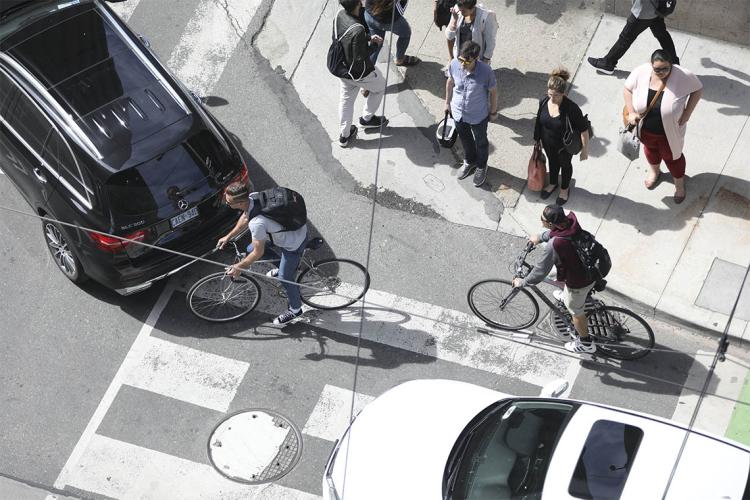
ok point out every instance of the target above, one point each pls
(633, 28)
(400, 28)
(287, 269)
(474, 141)
(558, 159)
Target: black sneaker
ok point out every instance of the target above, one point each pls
(466, 170)
(345, 141)
(602, 65)
(374, 121)
(480, 175)
(286, 317)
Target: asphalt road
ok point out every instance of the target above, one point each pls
(64, 346)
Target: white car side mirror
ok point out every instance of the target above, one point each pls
(554, 389)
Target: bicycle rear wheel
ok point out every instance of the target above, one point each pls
(333, 283)
(217, 297)
(619, 333)
(497, 303)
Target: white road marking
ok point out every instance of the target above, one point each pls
(125, 9)
(209, 40)
(447, 335)
(330, 417)
(716, 412)
(137, 350)
(121, 470)
(187, 374)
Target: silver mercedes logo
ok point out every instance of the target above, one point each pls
(182, 204)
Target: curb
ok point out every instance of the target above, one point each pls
(19, 489)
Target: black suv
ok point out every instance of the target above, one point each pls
(96, 132)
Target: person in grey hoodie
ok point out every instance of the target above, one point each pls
(560, 228)
(643, 14)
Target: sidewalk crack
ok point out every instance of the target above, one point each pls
(307, 42)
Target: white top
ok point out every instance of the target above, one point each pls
(260, 227)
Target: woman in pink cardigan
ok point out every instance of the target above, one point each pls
(662, 130)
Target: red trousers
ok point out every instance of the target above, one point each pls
(656, 149)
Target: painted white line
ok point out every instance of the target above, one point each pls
(448, 335)
(121, 470)
(136, 352)
(330, 417)
(125, 9)
(209, 40)
(716, 412)
(187, 374)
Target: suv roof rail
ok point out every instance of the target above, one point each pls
(78, 135)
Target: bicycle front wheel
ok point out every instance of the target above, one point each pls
(333, 283)
(619, 333)
(499, 304)
(217, 297)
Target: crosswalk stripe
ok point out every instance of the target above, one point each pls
(448, 335)
(209, 40)
(330, 417)
(187, 374)
(122, 470)
(125, 9)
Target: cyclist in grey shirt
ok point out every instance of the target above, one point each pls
(269, 241)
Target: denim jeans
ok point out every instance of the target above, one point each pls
(287, 269)
(474, 140)
(400, 28)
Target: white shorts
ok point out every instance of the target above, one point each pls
(575, 298)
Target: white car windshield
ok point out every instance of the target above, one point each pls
(507, 455)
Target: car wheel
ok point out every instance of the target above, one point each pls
(62, 253)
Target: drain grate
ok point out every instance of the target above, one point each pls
(255, 446)
(558, 322)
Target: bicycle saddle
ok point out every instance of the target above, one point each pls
(315, 243)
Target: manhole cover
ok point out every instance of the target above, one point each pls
(255, 446)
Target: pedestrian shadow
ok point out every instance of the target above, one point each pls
(544, 10)
(731, 92)
(731, 198)
(405, 139)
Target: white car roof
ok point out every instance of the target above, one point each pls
(722, 476)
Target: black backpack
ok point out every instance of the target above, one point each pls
(665, 7)
(442, 13)
(336, 59)
(593, 256)
(280, 204)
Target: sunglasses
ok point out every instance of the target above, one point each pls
(663, 69)
(465, 62)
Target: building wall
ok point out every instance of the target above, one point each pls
(723, 19)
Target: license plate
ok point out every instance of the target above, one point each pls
(183, 217)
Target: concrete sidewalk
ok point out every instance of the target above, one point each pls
(17, 490)
(684, 261)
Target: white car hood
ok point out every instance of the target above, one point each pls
(407, 433)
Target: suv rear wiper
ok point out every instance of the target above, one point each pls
(15, 8)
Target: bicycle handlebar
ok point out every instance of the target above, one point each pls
(523, 267)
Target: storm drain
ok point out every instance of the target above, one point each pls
(255, 446)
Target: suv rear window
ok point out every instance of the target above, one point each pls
(172, 175)
(605, 461)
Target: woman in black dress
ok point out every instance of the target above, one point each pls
(549, 129)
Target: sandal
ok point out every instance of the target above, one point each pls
(409, 61)
(652, 185)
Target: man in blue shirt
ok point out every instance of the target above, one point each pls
(471, 97)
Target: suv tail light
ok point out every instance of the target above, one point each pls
(113, 245)
(241, 177)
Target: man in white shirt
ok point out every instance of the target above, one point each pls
(269, 241)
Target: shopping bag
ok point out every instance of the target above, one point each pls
(628, 143)
(537, 169)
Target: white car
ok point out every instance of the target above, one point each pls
(449, 440)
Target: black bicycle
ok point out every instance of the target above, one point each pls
(324, 284)
(617, 332)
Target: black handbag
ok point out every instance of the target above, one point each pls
(571, 138)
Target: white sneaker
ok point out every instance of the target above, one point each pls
(578, 347)
(273, 273)
(558, 294)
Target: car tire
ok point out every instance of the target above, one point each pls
(62, 253)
